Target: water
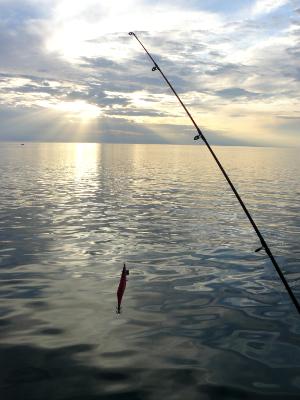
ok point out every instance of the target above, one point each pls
(203, 316)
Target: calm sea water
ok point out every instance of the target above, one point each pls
(203, 315)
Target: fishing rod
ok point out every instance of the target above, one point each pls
(200, 135)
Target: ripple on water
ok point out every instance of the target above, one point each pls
(203, 315)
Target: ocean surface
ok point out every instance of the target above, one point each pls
(203, 315)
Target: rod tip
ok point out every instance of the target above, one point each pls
(130, 33)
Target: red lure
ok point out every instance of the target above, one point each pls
(122, 287)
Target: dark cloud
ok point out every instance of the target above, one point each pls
(236, 92)
(129, 77)
(289, 126)
(16, 13)
(226, 69)
(289, 117)
(184, 45)
(42, 88)
(37, 124)
(184, 134)
(294, 52)
(100, 62)
(131, 112)
(118, 130)
(96, 95)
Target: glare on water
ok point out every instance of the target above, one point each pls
(202, 312)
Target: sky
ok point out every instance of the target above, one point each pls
(69, 71)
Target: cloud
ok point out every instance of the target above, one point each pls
(22, 42)
(229, 66)
(267, 6)
(118, 130)
(37, 124)
(232, 93)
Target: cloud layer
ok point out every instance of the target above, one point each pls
(70, 72)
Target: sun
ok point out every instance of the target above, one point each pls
(79, 109)
(78, 118)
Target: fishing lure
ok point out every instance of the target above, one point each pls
(122, 287)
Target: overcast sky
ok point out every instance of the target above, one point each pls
(69, 71)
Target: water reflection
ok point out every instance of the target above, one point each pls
(204, 313)
(87, 159)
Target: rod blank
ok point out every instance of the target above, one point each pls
(200, 135)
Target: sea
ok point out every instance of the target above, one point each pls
(203, 315)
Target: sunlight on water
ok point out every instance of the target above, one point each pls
(203, 315)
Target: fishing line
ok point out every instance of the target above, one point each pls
(200, 135)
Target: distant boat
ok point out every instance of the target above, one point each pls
(22, 144)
